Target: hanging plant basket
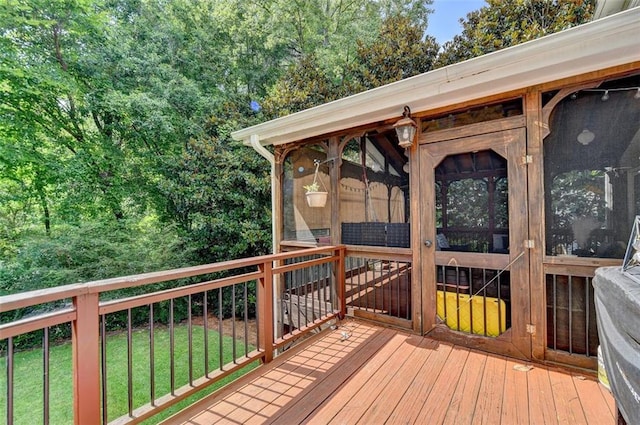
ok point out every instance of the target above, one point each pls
(317, 199)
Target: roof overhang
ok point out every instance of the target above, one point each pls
(609, 7)
(604, 43)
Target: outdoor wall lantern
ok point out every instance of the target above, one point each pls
(406, 129)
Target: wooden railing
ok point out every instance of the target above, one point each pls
(83, 310)
(378, 284)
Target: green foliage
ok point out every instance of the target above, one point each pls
(221, 193)
(501, 24)
(303, 86)
(400, 51)
(91, 251)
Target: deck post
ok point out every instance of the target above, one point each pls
(86, 360)
(340, 281)
(265, 310)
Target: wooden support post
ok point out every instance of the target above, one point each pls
(340, 280)
(265, 309)
(86, 360)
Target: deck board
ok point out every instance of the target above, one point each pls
(541, 404)
(567, 403)
(342, 402)
(366, 374)
(437, 404)
(489, 405)
(463, 402)
(515, 397)
(393, 393)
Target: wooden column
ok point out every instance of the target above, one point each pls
(535, 173)
(277, 207)
(333, 151)
(265, 310)
(340, 280)
(420, 299)
(86, 360)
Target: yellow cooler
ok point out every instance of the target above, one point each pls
(472, 310)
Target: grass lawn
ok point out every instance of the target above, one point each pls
(28, 372)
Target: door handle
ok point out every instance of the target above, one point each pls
(428, 243)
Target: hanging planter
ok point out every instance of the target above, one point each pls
(315, 197)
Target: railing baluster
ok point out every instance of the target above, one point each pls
(190, 339)
(289, 292)
(315, 284)
(499, 283)
(129, 364)
(458, 295)
(172, 361)
(586, 309)
(46, 380)
(259, 314)
(233, 324)
(152, 361)
(103, 366)
(555, 313)
(375, 288)
(220, 331)
(297, 292)
(10, 381)
(570, 314)
(205, 314)
(398, 284)
(383, 283)
(407, 291)
(246, 319)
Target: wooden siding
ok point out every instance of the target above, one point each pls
(362, 373)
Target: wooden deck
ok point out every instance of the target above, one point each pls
(364, 374)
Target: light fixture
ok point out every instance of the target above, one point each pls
(637, 95)
(406, 129)
(586, 137)
(605, 96)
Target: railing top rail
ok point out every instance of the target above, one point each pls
(40, 296)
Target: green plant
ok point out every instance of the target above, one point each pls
(313, 187)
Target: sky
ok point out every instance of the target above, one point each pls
(443, 23)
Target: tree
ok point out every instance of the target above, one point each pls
(221, 191)
(502, 24)
(45, 106)
(400, 51)
(397, 50)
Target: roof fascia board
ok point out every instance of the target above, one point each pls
(601, 44)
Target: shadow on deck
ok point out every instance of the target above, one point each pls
(362, 373)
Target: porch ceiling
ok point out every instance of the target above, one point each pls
(604, 43)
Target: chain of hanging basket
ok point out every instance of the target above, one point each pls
(316, 177)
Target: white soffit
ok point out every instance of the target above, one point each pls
(609, 7)
(600, 44)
